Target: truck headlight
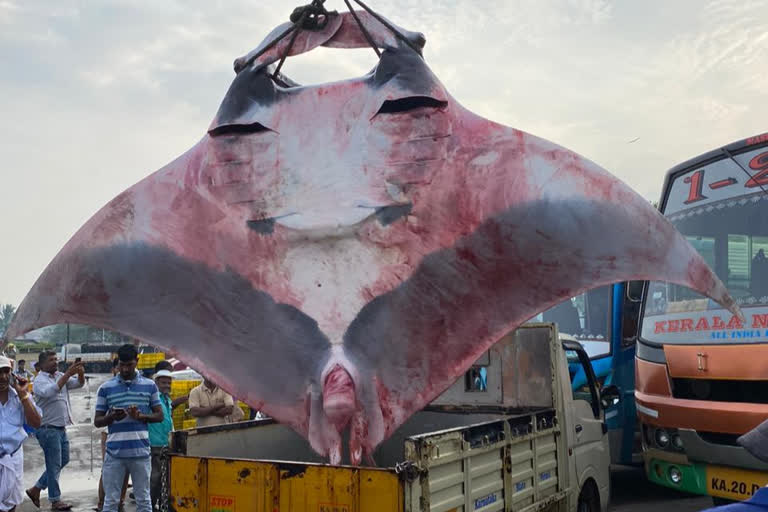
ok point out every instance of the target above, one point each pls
(675, 475)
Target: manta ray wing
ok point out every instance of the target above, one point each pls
(337, 255)
(510, 226)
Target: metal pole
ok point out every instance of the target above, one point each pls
(66, 344)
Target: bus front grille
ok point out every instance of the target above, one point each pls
(741, 391)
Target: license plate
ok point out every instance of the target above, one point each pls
(735, 484)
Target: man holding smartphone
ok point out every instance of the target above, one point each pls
(125, 404)
(51, 390)
(16, 409)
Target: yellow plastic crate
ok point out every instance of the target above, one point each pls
(183, 387)
(147, 361)
(180, 416)
(246, 410)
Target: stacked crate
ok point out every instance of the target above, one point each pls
(181, 419)
(246, 410)
(148, 361)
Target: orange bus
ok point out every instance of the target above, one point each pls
(702, 373)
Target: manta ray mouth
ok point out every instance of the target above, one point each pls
(336, 221)
(339, 397)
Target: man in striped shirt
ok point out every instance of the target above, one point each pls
(126, 404)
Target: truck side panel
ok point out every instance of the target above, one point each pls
(228, 485)
(504, 465)
(223, 485)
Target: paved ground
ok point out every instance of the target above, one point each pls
(631, 492)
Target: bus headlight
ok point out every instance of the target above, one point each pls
(662, 438)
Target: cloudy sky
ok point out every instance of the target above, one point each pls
(95, 95)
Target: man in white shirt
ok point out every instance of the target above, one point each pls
(16, 408)
(52, 396)
(21, 371)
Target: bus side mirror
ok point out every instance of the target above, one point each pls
(610, 396)
(635, 291)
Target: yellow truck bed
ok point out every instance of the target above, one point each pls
(228, 485)
(452, 457)
(507, 463)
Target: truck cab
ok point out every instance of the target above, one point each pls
(586, 411)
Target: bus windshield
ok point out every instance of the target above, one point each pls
(722, 210)
(586, 317)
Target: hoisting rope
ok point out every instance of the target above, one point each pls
(363, 29)
(387, 24)
(732, 157)
(313, 17)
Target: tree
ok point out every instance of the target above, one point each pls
(6, 314)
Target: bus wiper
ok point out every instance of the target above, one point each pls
(730, 155)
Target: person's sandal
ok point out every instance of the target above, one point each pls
(35, 500)
(60, 505)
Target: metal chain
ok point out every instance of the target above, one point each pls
(164, 491)
(408, 470)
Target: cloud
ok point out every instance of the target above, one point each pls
(96, 95)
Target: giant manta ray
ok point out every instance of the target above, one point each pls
(336, 255)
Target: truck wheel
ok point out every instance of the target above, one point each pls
(589, 499)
